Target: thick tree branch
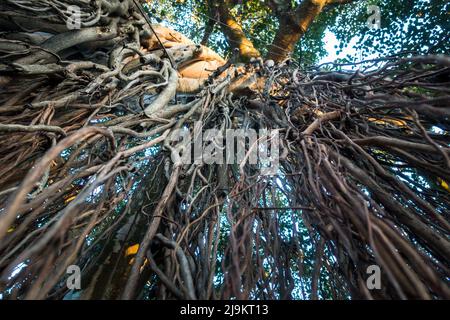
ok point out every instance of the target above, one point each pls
(234, 33)
(293, 25)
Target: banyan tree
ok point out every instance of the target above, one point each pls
(93, 180)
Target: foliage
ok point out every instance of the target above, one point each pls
(419, 26)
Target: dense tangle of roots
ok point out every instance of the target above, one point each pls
(88, 178)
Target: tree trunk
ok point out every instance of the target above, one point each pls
(292, 27)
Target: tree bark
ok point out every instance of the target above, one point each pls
(293, 25)
(234, 33)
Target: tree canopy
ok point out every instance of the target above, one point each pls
(419, 26)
